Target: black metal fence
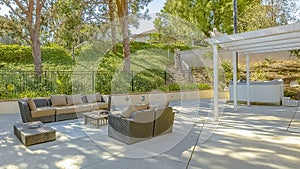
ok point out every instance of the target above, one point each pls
(20, 84)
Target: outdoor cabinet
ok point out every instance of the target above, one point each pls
(270, 92)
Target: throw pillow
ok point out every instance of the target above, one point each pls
(31, 104)
(140, 106)
(159, 105)
(98, 97)
(58, 100)
(127, 113)
(74, 99)
(91, 98)
(132, 108)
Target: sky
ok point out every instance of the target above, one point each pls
(154, 7)
(3, 10)
(145, 25)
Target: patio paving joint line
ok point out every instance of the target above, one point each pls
(292, 118)
(196, 142)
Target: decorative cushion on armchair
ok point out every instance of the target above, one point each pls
(132, 108)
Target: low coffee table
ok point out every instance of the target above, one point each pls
(31, 133)
(96, 117)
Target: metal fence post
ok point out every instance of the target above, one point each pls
(132, 83)
(93, 81)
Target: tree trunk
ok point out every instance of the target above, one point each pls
(126, 46)
(36, 53)
(112, 26)
(34, 32)
(123, 16)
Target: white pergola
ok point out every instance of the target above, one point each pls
(281, 38)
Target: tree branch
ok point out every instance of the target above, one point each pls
(38, 14)
(21, 6)
(13, 10)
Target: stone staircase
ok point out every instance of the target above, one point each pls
(178, 77)
(196, 76)
(201, 76)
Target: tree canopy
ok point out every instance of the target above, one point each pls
(252, 14)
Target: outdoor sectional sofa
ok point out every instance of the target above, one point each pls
(141, 124)
(61, 107)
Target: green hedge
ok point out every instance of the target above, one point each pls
(16, 53)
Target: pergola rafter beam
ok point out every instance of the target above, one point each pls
(270, 43)
(271, 50)
(278, 47)
(261, 40)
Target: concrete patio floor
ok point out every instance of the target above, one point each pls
(253, 137)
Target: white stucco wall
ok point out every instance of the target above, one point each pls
(10, 107)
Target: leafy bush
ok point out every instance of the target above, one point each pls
(15, 53)
(56, 55)
(204, 86)
(147, 80)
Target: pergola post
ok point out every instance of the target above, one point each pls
(216, 96)
(234, 87)
(248, 79)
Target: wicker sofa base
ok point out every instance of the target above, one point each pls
(69, 116)
(34, 133)
(45, 119)
(123, 138)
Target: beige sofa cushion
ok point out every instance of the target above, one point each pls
(143, 116)
(74, 99)
(159, 105)
(98, 97)
(65, 109)
(140, 106)
(43, 111)
(132, 108)
(73, 109)
(82, 108)
(99, 105)
(31, 104)
(91, 98)
(58, 100)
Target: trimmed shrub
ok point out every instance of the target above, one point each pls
(16, 53)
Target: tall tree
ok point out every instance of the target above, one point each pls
(29, 15)
(205, 14)
(173, 30)
(113, 28)
(270, 13)
(122, 6)
(67, 24)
